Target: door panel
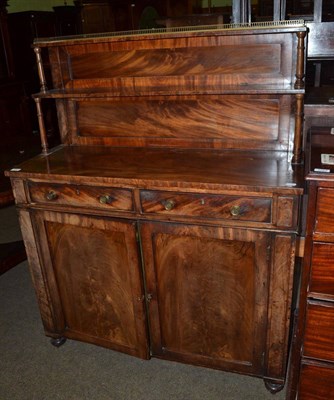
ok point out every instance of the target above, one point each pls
(209, 294)
(95, 279)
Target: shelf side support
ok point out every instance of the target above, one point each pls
(42, 130)
(299, 83)
(40, 69)
(299, 117)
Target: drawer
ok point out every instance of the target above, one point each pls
(324, 219)
(81, 196)
(319, 331)
(316, 382)
(322, 272)
(207, 205)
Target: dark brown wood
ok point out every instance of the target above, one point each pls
(317, 381)
(7, 62)
(187, 108)
(15, 124)
(322, 279)
(99, 282)
(41, 124)
(192, 20)
(319, 331)
(175, 174)
(324, 212)
(24, 27)
(40, 69)
(188, 298)
(207, 206)
(11, 254)
(204, 170)
(312, 358)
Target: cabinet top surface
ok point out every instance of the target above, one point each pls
(259, 171)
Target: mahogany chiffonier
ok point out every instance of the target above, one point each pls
(313, 351)
(165, 223)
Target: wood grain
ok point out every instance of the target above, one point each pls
(322, 275)
(319, 332)
(247, 209)
(256, 171)
(325, 211)
(80, 195)
(317, 382)
(96, 274)
(209, 294)
(196, 121)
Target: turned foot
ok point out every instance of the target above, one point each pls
(57, 342)
(273, 387)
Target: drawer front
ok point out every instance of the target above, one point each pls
(324, 221)
(207, 206)
(81, 196)
(319, 331)
(322, 273)
(316, 382)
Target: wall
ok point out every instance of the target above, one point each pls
(41, 5)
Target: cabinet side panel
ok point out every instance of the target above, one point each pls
(38, 277)
(281, 282)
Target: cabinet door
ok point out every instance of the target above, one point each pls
(208, 290)
(93, 278)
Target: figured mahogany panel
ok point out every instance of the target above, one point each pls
(204, 62)
(209, 293)
(316, 382)
(95, 270)
(322, 273)
(319, 332)
(228, 121)
(177, 61)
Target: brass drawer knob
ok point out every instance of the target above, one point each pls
(105, 199)
(169, 205)
(235, 211)
(51, 195)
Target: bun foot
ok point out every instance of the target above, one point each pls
(273, 387)
(57, 342)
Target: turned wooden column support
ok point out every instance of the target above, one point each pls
(299, 116)
(42, 131)
(40, 68)
(300, 84)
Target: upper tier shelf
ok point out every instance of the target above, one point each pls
(105, 93)
(226, 59)
(219, 87)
